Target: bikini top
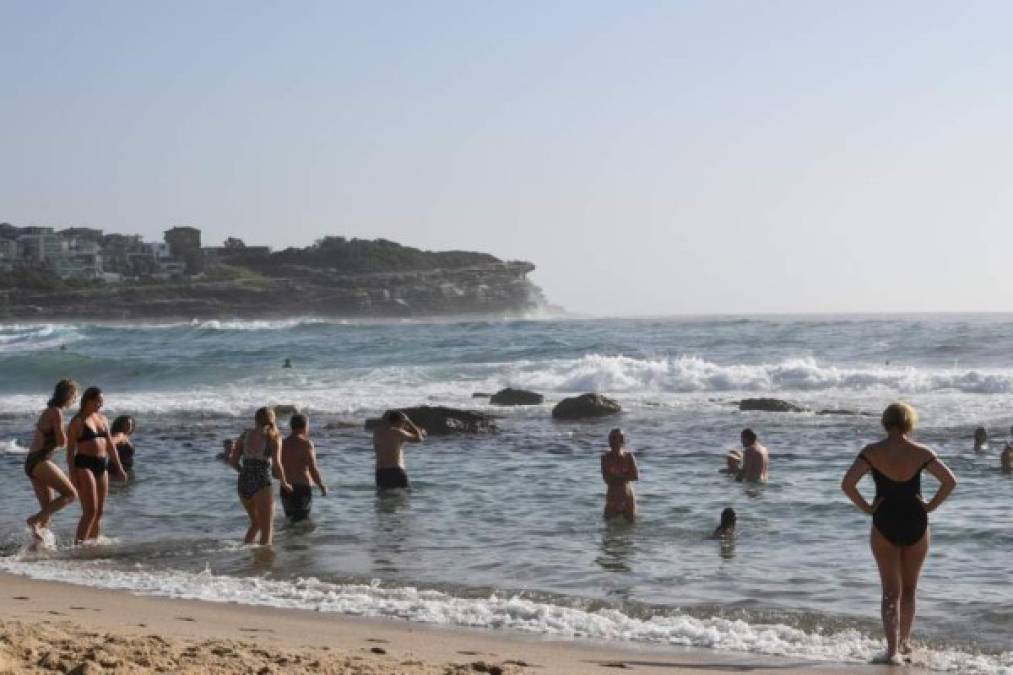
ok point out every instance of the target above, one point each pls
(89, 434)
(888, 488)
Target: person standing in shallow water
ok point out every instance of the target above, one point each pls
(619, 469)
(90, 448)
(981, 439)
(900, 535)
(259, 448)
(389, 437)
(40, 468)
(299, 457)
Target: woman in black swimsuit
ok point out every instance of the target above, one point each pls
(900, 536)
(123, 428)
(259, 448)
(39, 465)
(89, 449)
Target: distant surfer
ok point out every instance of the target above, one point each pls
(619, 469)
(299, 458)
(46, 476)
(287, 364)
(389, 437)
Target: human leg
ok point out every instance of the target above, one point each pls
(911, 560)
(887, 557)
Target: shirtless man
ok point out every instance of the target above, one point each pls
(394, 430)
(299, 459)
(1006, 459)
(755, 459)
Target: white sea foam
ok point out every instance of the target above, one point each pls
(12, 447)
(496, 612)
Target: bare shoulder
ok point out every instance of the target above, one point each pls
(926, 452)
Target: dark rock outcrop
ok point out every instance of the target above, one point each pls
(510, 396)
(284, 411)
(585, 406)
(440, 421)
(770, 405)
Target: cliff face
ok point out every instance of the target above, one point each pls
(292, 290)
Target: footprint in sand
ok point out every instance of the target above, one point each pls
(20, 597)
(185, 618)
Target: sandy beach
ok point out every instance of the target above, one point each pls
(54, 627)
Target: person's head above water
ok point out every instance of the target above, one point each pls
(617, 439)
(287, 364)
(64, 394)
(980, 436)
(124, 424)
(728, 519)
(899, 417)
(748, 437)
(298, 423)
(91, 400)
(733, 460)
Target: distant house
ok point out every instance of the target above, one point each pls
(184, 243)
(233, 247)
(40, 245)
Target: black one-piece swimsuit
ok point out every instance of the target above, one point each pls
(900, 516)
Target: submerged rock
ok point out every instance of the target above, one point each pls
(770, 405)
(439, 421)
(510, 396)
(585, 406)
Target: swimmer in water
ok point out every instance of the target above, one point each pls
(981, 439)
(755, 459)
(619, 470)
(123, 428)
(1006, 459)
(727, 526)
(40, 468)
(733, 463)
(900, 536)
(287, 364)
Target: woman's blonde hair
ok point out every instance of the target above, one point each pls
(266, 422)
(900, 416)
(64, 394)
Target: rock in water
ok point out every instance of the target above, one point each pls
(516, 397)
(440, 421)
(284, 410)
(770, 405)
(585, 406)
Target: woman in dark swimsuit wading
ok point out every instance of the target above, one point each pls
(259, 448)
(89, 449)
(39, 465)
(123, 428)
(900, 536)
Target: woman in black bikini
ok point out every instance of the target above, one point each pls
(259, 448)
(123, 428)
(89, 449)
(900, 537)
(39, 465)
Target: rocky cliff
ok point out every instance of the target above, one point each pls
(489, 287)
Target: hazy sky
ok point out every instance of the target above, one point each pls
(650, 158)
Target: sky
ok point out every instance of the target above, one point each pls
(650, 158)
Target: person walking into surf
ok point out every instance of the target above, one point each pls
(259, 449)
(618, 470)
(45, 475)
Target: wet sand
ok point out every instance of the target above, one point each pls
(55, 627)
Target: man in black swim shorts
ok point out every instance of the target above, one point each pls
(394, 430)
(299, 457)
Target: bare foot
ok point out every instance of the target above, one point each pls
(888, 659)
(33, 527)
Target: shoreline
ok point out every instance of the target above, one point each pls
(92, 629)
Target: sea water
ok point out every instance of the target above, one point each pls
(504, 531)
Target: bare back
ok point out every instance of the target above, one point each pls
(388, 442)
(755, 461)
(297, 458)
(899, 459)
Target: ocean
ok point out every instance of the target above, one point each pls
(505, 531)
